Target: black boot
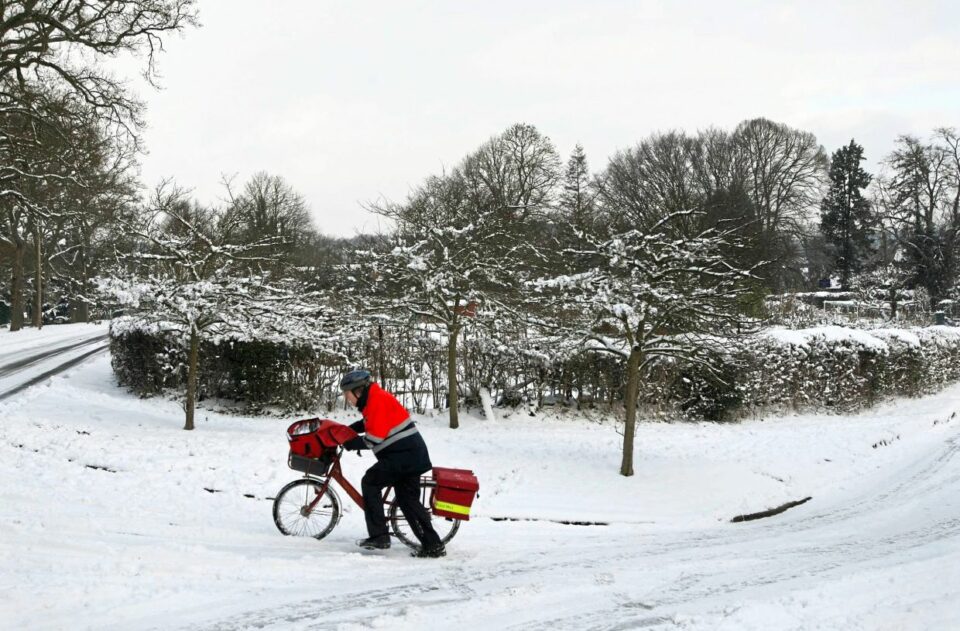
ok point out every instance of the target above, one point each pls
(380, 542)
(430, 552)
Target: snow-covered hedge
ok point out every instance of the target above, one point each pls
(150, 358)
(819, 368)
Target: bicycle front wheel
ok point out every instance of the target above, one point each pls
(301, 511)
(444, 526)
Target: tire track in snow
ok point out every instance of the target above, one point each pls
(779, 565)
(18, 365)
(329, 611)
(53, 371)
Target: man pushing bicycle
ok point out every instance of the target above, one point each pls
(402, 457)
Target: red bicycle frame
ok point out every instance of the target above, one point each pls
(336, 473)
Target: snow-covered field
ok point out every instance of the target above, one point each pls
(107, 524)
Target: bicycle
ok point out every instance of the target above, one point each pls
(310, 507)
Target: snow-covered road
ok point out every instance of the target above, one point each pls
(108, 522)
(29, 356)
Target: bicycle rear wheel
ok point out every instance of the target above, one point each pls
(293, 514)
(444, 526)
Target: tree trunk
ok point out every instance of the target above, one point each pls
(16, 284)
(633, 389)
(82, 311)
(381, 362)
(192, 366)
(37, 280)
(454, 397)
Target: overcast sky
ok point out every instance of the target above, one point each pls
(355, 101)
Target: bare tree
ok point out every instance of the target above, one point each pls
(461, 237)
(718, 166)
(949, 140)
(432, 271)
(512, 174)
(42, 158)
(783, 172)
(50, 73)
(646, 294)
(188, 274)
(920, 202)
(671, 173)
(268, 207)
(93, 217)
(40, 41)
(654, 178)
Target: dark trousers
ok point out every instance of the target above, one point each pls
(406, 486)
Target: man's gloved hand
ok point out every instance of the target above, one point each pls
(355, 444)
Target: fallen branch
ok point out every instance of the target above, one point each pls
(771, 512)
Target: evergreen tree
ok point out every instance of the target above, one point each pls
(577, 199)
(846, 216)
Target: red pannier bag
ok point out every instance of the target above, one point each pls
(313, 444)
(454, 494)
(312, 437)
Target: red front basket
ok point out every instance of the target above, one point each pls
(455, 491)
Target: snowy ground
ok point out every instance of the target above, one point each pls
(138, 543)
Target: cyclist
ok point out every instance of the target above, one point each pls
(401, 459)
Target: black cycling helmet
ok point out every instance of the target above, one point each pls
(355, 379)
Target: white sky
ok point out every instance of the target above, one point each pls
(355, 101)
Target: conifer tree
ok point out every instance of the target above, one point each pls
(846, 216)
(577, 198)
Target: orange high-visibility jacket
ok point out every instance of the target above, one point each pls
(386, 421)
